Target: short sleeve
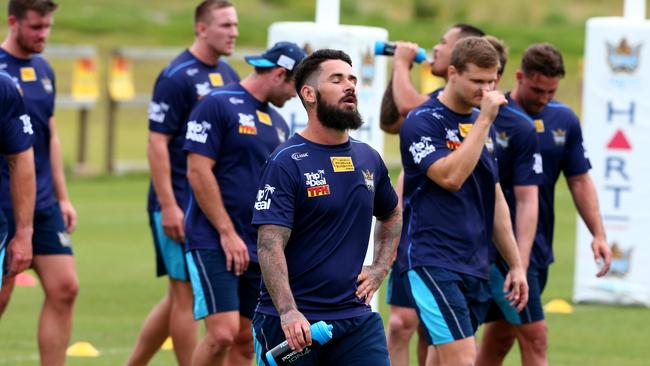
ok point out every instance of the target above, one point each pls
(17, 133)
(205, 129)
(385, 196)
(275, 200)
(575, 161)
(423, 140)
(168, 106)
(527, 159)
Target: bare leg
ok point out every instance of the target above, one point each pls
(8, 284)
(221, 330)
(458, 353)
(532, 339)
(401, 325)
(183, 329)
(242, 351)
(498, 338)
(152, 335)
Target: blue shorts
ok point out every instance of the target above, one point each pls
(3, 250)
(396, 290)
(217, 290)
(450, 305)
(50, 235)
(357, 341)
(170, 257)
(500, 308)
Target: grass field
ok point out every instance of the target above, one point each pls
(113, 245)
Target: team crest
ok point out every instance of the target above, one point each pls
(282, 136)
(623, 58)
(247, 124)
(47, 85)
(369, 177)
(453, 142)
(489, 145)
(539, 125)
(559, 137)
(621, 259)
(316, 184)
(503, 140)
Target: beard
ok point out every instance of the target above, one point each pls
(26, 47)
(337, 118)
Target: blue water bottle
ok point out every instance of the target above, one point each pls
(282, 355)
(388, 49)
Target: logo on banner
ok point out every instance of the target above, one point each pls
(316, 184)
(623, 58)
(621, 259)
(367, 68)
(619, 142)
(342, 164)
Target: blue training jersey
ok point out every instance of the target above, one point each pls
(446, 229)
(35, 78)
(326, 195)
(518, 154)
(239, 132)
(178, 88)
(16, 132)
(560, 140)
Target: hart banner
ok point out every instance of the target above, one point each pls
(616, 117)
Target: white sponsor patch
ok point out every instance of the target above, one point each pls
(263, 198)
(246, 119)
(538, 167)
(191, 72)
(27, 124)
(235, 101)
(286, 62)
(197, 131)
(421, 149)
(297, 156)
(157, 111)
(202, 89)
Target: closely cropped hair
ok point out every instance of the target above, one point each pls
(288, 74)
(543, 58)
(468, 30)
(311, 64)
(473, 50)
(19, 8)
(203, 12)
(502, 50)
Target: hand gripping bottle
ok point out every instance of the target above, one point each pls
(388, 49)
(282, 355)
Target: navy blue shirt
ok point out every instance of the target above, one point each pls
(178, 88)
(326, 195)
(447, 229)
(36, 80)
(16, 132)
(239, 132)
(560, 140)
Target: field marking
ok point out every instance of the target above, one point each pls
(35, 356)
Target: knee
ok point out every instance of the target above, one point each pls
(245, 345)
(221, 337)
(535, 337)
(65, 292)
(401, 326)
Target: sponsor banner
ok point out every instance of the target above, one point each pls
(616, 120)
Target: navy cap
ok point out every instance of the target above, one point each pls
(284, 54)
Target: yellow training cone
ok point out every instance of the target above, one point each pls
(558, 306)
(82, 349)
(168, 345)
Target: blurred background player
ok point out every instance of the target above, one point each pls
(187, 79)
(230, 134)
(455, 205)
(30, 22)
(560, 139)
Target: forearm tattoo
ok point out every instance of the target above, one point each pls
(271, 241)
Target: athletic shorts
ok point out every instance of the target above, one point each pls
(500, 307)
(396, 290)
(170, 256)
(217, 290)
(357, 341)
(50, 235)
(450, 305)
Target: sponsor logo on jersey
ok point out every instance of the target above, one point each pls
(198, 131)
(235, 101)
(342, 164)
(421, 149)
(215, 79)
(369, 177)
(202, 89)
(559, 136)
(453, 142)
(27, 74)
(157, 111)
(503, 140)
(316, 184)
(297, 156)
(539, 125)
(538, 166)
(191, 72)
(464, 128)
(264, 198)
(247, 124)
(27, 124)
(264, 118)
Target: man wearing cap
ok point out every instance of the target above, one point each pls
(230, 134)
(187, 79)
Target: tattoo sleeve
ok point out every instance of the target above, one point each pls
(387, 234)
(271, 241)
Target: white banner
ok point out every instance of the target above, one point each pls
(616, 116)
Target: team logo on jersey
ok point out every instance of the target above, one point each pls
(215, 79)
(342, 164)
(503, 140)
(559, 137)
(235, 101)
(27, 74)
(27, 124)
(247, 124)
(621, 259)
(297, 156)
(539, 125)
(421, 149)
(47, 85)
(263, 198)
(489, 144)
(623, 58)
(198, 131)
(538, 167)
(282, 136)
(64, 239)
(369, 177)
(191, 72)
(316, 184)
(157, 111)
(453, 142)
(264, 118)
(202, 89)
(3, 66)
(464, 128)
